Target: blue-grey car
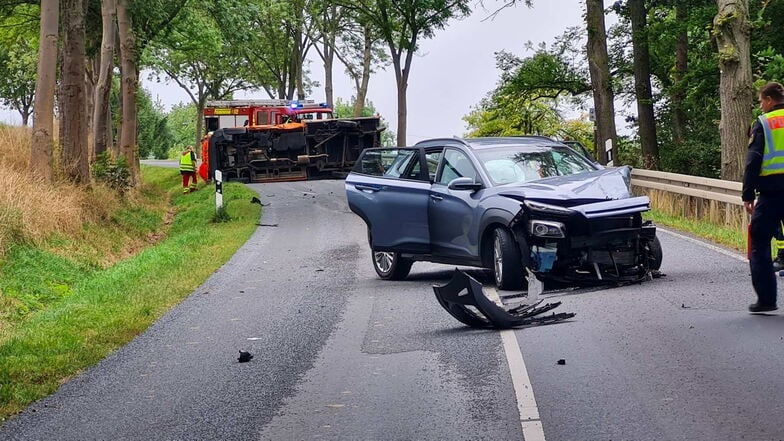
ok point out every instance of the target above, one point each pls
(506, 204)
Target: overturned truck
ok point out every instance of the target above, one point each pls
(276, 140)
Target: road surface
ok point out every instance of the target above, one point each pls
(342, 355)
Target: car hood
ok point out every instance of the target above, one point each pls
(581, 188)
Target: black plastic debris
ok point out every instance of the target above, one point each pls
(255, 200)
(465, 300)
(561, 361)
(244, 356)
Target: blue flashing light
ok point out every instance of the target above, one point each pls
(323, 104)
(294, 105)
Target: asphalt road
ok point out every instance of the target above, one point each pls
(341, 355)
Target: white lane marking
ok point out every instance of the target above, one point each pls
(715, 248)
(524, 391)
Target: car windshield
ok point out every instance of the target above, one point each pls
(524, 164)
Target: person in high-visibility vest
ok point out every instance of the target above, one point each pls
(763, 180)
(188, 169)
(778, 261)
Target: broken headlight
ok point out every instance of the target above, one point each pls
(547, 229)
(547, 208)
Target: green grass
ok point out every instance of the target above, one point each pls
(64, 314)
(730, 237)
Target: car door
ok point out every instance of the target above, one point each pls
(452, 214)
(390, 190)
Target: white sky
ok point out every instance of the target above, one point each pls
(451, 73)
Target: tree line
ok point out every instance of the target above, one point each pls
(689, 66)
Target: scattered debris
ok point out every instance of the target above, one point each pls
(318, 270)
(256, 200)
(266, 225)
(244, 356)
(562, 361)
(464, 291)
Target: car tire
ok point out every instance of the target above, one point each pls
(507, 265)
(390, 265)
(657, 255)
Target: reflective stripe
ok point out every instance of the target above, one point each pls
(772, 124)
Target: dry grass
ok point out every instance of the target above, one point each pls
(688, 207)
(32, 211)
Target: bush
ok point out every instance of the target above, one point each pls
(113, 172)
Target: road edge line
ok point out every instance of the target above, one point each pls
(527, 409)
(712, 247)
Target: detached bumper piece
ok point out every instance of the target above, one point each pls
(465, 300)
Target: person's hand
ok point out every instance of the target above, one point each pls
(749, 206)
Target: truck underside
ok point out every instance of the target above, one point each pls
(292, 152)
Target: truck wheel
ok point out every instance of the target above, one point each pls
(390, 266)
(657, 255)
(507, 264)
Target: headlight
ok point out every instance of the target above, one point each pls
(549, 229)
(547, 208)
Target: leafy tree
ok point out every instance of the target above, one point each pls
(155, 134)
(182, 123)
(402, 24)
(198, 59)
(19, 60)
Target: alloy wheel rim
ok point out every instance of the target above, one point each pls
(384, 260)
(497, 260)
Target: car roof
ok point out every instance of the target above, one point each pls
(499, 141)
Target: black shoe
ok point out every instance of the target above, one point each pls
(762, 307)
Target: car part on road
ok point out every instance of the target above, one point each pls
(464, 298)
(244, 357)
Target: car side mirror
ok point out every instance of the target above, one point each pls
(465, 184)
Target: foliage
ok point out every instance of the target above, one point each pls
(113, 172)
(155, 136)
(345, 109)
(73, 315)
(182, 123)
(19, 59)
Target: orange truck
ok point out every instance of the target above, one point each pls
(281, 140)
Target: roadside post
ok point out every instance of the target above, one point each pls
(218, 191)
(608, 145)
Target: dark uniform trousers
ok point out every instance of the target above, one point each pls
(767, 215)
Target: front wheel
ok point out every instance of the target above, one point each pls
(390, 265)
(507, 264)
(657, 255)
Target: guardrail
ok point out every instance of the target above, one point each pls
(692, 196)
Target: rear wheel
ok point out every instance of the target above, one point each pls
(390, 266)
(507, 265)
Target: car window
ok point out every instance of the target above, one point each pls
(456, 165)
(432, 158)
(394, 163)
(518, 165)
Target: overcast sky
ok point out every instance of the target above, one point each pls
(451, 73)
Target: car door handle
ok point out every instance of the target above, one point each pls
(436, 197)
(367, 188)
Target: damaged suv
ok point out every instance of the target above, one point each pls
(507, 204)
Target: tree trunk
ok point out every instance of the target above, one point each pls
(329, 61)
(732, 30)
(598, 66)
(362, 85)
(101, 124)
(43, 109)
(130, 84)
(73, 138)
(642, 84)
(681, 65)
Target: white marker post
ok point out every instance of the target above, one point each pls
(218, 191)
(608, 148)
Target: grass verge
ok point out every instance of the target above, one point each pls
(730, 237)
(82, 311)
